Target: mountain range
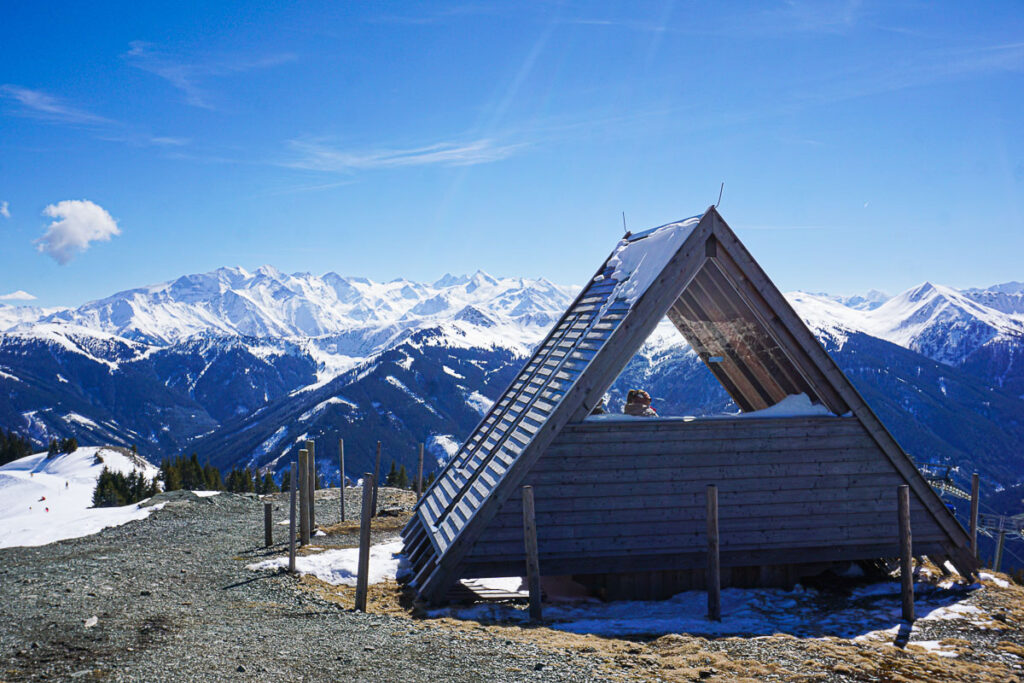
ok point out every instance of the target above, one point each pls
(241, 366)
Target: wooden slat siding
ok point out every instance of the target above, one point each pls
(580, 398)
(663, 512)
(787, 481)
(677, 532)
(760, 394)
(737, 324)
(790, 324)
(767, 318)
(616, 456)
(740, 540)
(695, 560)
(658, 504)
(678, 318)
(731, 333)
(769, 353)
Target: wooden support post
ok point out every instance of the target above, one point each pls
(268, 524)
(532, 558)
(419, 476)
(997, 563)
(311, 469)
(376, 479)
(906, 554)
(714, 570)
(291, 521)
(975, 500)
(341, 469)
(363, 569)
(303, 483)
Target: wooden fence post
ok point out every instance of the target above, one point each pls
(341, 468)
(303, 483)
(975, 499)
(997, 562)
(291, 520)
(713, 581)
(419, 476)
(906, 556)
(532, 559)
(363, 569)
(311, 468)
(376, 478)
(268, 524)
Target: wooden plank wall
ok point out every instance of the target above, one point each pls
(629, 496)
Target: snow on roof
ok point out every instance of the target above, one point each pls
(639, 259)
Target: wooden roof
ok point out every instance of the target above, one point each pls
(722, 303)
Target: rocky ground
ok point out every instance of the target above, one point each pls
(170, 598)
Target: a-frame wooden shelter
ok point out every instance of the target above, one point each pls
(620, 502)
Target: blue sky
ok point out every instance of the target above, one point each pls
(862, 145)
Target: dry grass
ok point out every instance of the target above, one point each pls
(376, 524)
(680, 657)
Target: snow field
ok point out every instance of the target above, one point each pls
(43, 500)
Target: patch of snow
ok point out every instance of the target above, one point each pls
(479, 402)
(339, 567)
(63, 484)
(81, 419)
(985, 576)
(443, 446)
(748, 612)
(933, 647)
(7, 375)
(449, 371)
(206, 494)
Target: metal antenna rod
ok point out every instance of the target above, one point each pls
(720, 189)
(624, 222)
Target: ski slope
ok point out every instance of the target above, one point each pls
(43, 500)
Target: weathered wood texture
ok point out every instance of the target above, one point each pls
(530, 546)
(313, 477)
(906, 553)
(714, 572)
(302, 482)
(268, 524)
(376, 482)
(293, 478)
(789, 486)
(363, 567)
(341, 483)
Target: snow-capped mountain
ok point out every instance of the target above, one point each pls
(978, 330)
(358, 316)
(241, 367)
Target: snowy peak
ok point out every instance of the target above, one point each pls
(269, 303)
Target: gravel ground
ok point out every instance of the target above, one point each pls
(173, 601)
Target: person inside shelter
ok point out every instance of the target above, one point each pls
(638, 404)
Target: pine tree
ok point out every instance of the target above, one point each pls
(429, 481)
(211, 475)
(392, 478)
(402, 479)
(269, 486)
(54, 448)
(286, 480)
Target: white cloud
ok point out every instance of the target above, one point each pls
(5, 210)
(188, 74)
(80, 223)
(20, 295)
(317, 155)
(42, 105)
